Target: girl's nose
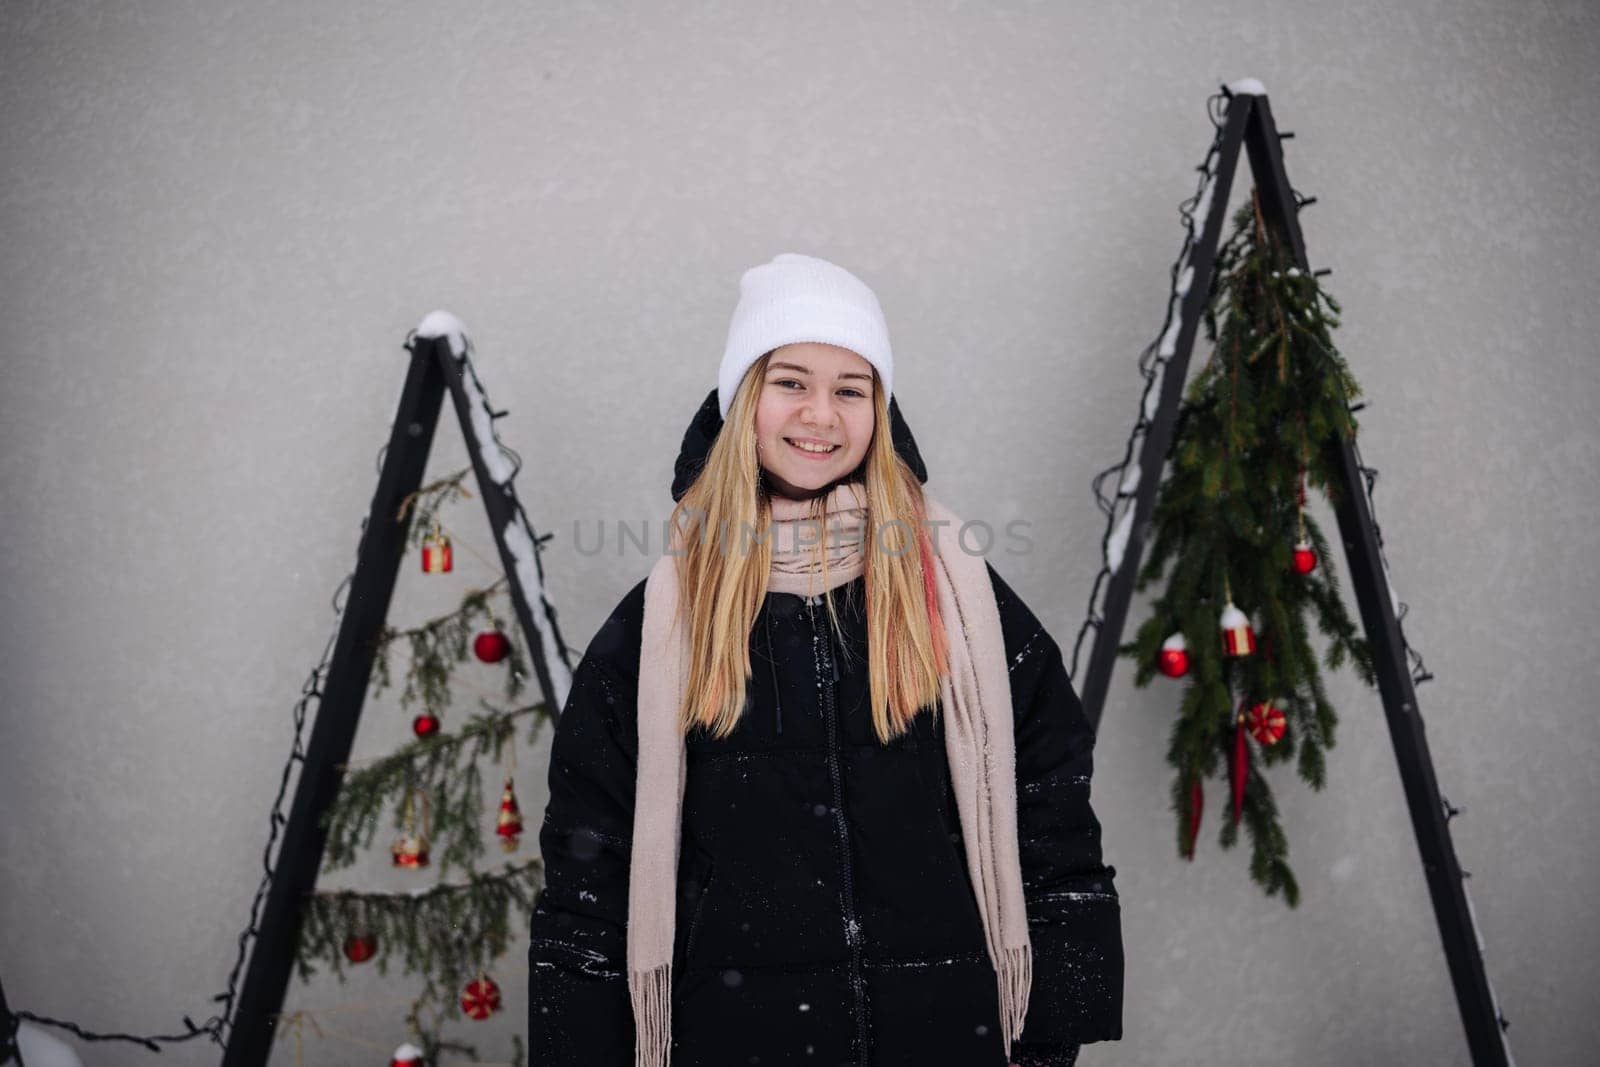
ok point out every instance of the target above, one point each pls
(818, 412)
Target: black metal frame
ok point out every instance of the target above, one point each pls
(1249, 122)
(434, 368)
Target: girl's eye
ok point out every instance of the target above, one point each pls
(850, 391)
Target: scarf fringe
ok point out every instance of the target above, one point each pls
(1015, 975)
(650, 992)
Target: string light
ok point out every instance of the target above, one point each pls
(1152, 364)
(216, 1026)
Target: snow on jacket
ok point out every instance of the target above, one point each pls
(825, 914)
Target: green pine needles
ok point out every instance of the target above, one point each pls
(442, 768)
(1259, 421)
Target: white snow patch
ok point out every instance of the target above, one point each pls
(1119, 540)
(520, 541)
(1130, 480)
(494, 457)
(443, 324)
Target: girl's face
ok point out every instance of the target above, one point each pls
(815, 395)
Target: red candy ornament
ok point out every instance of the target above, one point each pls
(1173, 660)
(481, 998)
(358, 948)
(1265, 722)
(491, 646)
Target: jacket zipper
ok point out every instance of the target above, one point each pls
(827, 674)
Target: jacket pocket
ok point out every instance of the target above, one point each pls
(696, 887)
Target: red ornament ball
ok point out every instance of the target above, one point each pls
(407, 1055)
(1173, 659)
(491, 646)
(358, 948)
(425, 725)
(1174, 662)
(1305, 558)
(481, 998)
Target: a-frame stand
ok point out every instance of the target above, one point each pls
(1249, 121)
(439, 361)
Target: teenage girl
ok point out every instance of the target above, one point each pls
(820, 792)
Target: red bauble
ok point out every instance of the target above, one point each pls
(407, 1055)
(1173, 660)
(425, 725)
(1266, 723)
(481, 998)
(358, 948)
(491, 646)
(1305, 558)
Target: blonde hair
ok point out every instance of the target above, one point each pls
(721, 591)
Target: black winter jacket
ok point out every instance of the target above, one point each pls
(824, 912)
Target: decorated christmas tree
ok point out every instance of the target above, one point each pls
(455, 931)
(1248, 564)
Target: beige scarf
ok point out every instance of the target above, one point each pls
(976, 700)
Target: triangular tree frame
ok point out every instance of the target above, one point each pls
(1249, 122)
(440, 362)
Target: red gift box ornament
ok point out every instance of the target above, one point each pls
(481, 998)
(1265, 722)
(509, 823)
(435, 551)
(1237, 637)
(1173, 660)
(407, 1055)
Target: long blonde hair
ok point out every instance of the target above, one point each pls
(721, 591)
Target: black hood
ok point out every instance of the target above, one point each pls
(707, 423)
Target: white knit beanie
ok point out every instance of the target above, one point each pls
(799, 298)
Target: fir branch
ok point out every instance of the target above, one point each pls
(1225, 519)
(440, 643)
(447, 933)
(428, 500)
(445, 768)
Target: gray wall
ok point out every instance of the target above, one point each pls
(219, 222)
